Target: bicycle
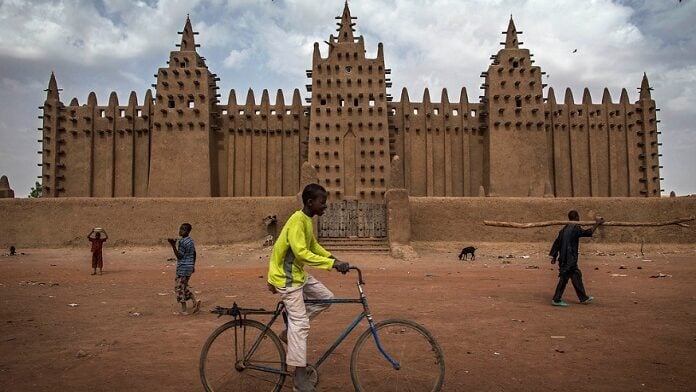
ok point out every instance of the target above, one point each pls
(246, 355)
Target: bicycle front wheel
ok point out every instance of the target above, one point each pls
(420, 359)
(238, 356)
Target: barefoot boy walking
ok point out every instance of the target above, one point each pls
(185, 267)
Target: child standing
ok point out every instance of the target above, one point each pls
(295, 248)
(185, 267)
(97, 244)
(565, 249)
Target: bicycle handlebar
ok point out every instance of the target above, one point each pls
(360, 279)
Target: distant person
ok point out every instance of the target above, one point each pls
(296, 248)
(565, 250)
(13, 250)
(185, 267)
(97, 245)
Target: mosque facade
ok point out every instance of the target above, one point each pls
(356, 139)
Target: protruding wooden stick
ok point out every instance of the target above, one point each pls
(517, 225)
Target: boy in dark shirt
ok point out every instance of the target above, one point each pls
(185, 267)
(97, 244)
(565, 249)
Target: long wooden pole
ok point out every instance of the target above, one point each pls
(518, 225)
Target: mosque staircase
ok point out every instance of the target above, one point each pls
(356, 245)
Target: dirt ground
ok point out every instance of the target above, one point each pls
(492, 317)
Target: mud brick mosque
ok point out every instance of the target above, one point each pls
(356, 140)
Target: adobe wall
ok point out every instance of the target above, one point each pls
(439, 143)
(461, 219)
(54, 222)
(260, 149)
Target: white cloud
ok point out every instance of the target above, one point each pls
(237, 58)
(79, 32)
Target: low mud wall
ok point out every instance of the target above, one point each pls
(137, 221)
(461, 219)
(142, 221)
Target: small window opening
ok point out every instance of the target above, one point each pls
(170, 103)
(341, 102)
(355, 102)
(122, 113)
(241, 112)
(436, 111)
(515, 64)
(372, 101)
(102, 113)
(273, 112)
(415, 110)
(288, 112)
(349, 69)
(191, 104)
(473, 113)
(224, 112)
(139, 113)
(393, 112)
(455, 112)
(323, 101)
(518, 102)
(257, 112)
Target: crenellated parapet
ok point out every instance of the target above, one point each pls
(261, 146)
(94, 150)
(599, 149)
(440, 144)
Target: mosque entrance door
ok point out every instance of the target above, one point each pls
(353, 219)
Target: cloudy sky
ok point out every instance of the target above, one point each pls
(117, 45)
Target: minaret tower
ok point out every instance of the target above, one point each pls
(51, 133)
(516, 162)
(647, 136)
(348, 133)
(184, 119)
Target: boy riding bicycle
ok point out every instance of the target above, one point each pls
(295, 248)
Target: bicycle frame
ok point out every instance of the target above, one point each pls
(365, 314)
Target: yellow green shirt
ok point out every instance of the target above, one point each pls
(295, 248)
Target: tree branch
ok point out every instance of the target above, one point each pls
(517, 225)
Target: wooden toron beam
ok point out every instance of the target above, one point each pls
(517, 225)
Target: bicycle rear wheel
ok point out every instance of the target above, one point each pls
(223, 367)
(422, 365)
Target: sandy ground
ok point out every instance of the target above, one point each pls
(492, 317)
